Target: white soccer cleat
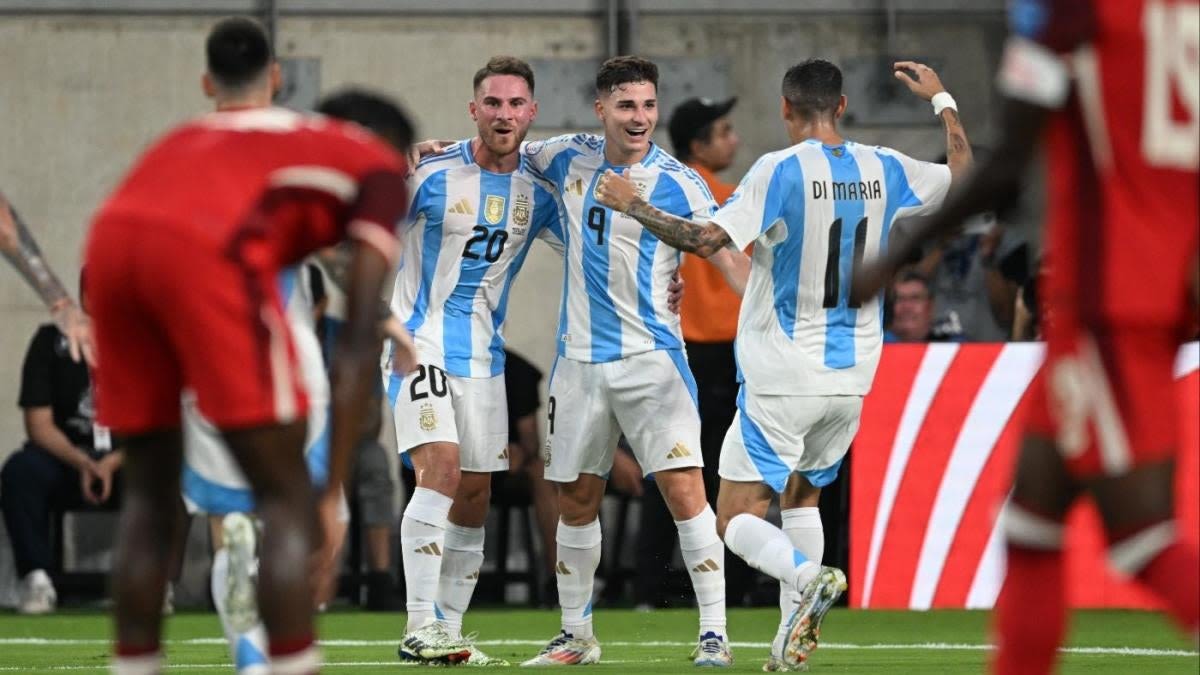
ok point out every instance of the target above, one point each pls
(712, 652)
(775, 664)
(567, 650)
(805, 625)
(478, 658)
(433, 643)
(37, 594)
(241, 600)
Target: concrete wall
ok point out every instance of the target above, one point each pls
(79, 96)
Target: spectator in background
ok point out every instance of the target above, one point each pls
(703, 138)
(975, 275)
(912, 312)
(66, 463)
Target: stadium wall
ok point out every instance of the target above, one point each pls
(83, 94)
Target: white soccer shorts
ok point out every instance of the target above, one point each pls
(430, 406)
(650, 396)
(773, 436)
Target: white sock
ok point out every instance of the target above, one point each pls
(578, 558)
(145, 664)
(803, 527)
(703, 554)
(767, 549)
(422, 540)
(249, 649)
(460, 573)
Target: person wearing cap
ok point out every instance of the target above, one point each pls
(703, 137)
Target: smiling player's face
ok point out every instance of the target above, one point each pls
(629, 114)
(503, 110)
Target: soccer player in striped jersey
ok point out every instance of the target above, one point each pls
(476, 211)
(807, 354)
(621, 365)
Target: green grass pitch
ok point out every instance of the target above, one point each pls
(633, 642)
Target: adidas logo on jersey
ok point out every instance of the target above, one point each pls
(562, 568)
(463, 207)
(503, 454)
(575, 187)
(473, 575)
(709, 565)
(679, 452)
(428, 549)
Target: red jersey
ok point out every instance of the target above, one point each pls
(223, 176)
(183, 261)
(1122, 150)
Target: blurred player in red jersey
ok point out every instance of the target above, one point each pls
(182, 260)
(1112, 87)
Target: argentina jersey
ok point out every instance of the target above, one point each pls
(614, 300)
(813, 212)
(471, 231)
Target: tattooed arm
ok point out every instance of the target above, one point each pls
(703, 239)
(20, 248)
(924, 82)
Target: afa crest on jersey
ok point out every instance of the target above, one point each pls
(493, 209)
(520, 211)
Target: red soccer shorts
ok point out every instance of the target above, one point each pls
(1108, 400)
(172, 313)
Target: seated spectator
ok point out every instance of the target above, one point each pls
(66, 463)
(912, 305)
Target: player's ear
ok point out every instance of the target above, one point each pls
(533, 110)
(599, 107)
(472, 110)
(206, 84)
(785, 108)
(276, 78)
(841, 108)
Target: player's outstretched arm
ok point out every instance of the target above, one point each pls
(998, 175)
(704, 239)
(21, 249)
(924, 82)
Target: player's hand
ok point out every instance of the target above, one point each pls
(616, 191)
(106, 468)
(926, 84)
(404, 353)
(675, 292)
(324, 561)
(423, 149)
(9, 239)
(77, 327)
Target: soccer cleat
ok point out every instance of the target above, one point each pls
(37, 594)
(712, 651)
(805, 625)
(775, 664)
(478, 658)
(567, 650)
(432, 642)
(241, 602)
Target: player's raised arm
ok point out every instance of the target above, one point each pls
(21, 249)
(703, 239)
(1023, 117)
(924, 82)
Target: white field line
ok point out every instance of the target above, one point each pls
(931, 646)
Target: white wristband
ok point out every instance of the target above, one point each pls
(941, 101)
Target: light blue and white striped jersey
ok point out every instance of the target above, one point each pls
(614, 301)
(471, 230)
(812, 211)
